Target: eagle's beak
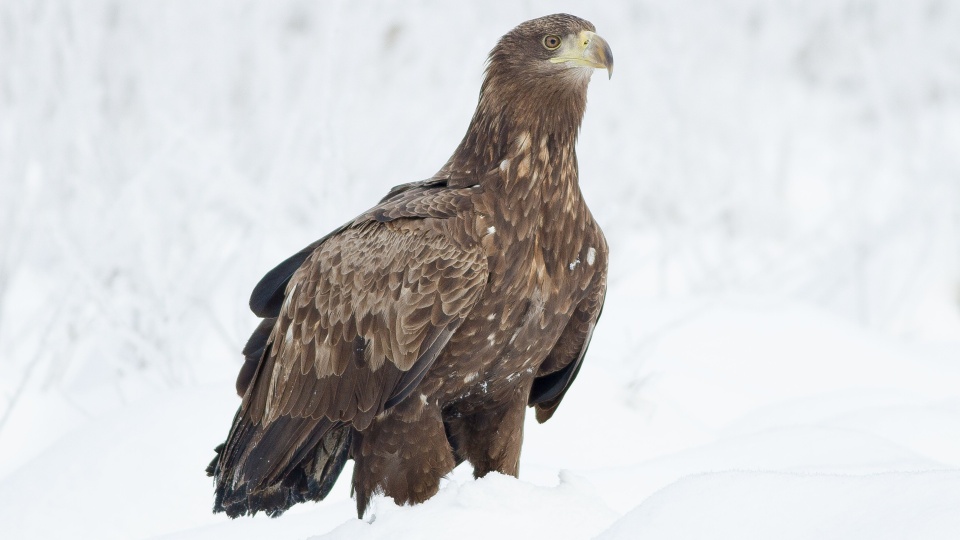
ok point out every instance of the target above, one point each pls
(586, 49)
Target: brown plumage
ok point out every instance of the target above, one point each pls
(413, 337)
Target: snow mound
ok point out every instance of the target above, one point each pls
(787, 506)
(495, 506)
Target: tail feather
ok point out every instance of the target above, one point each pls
(269, 467)
(253, 474)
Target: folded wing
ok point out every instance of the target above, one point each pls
(362, 320)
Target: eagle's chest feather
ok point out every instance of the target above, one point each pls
(537, 277)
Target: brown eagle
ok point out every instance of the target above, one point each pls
(413, 337)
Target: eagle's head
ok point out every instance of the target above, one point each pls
(535, 83)
(556, 46)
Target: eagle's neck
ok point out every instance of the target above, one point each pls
(520, 117)
(521, 147)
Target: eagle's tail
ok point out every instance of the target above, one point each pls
(257, 470)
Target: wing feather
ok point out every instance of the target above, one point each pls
(562, 365)
(354, 323)
(393, 293)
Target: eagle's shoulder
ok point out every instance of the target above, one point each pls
(434, 198)
(431, 198)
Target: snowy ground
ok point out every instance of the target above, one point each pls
(779, 356)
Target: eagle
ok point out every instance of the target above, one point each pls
(413, 338)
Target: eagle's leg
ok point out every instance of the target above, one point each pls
(490, 438)
(403, 454)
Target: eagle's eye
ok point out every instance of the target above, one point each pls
(551, 42)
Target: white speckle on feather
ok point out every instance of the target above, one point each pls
(504, 165)
(423, 398)
(470, 377)
(575, 263)
(491, 229)
(491, 316)
(513, 376)
(492, 338)
(289, 297)
(288, 338)
(591, 256)
(523, 141)
(483, 387)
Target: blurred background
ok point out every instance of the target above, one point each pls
(158, 157)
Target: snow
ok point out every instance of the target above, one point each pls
(779, 184)
(799, 506)
(859, 441)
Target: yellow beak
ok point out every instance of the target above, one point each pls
(586, 49)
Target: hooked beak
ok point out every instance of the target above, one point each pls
(586, 49)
